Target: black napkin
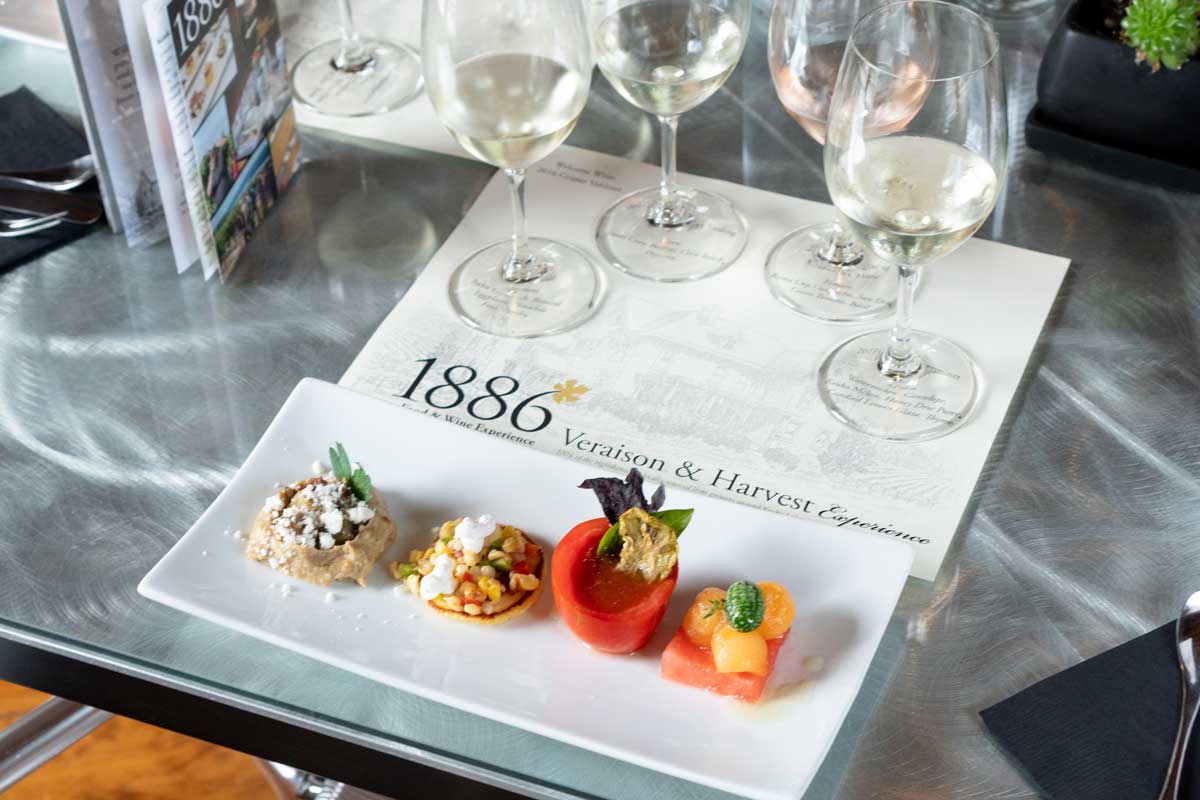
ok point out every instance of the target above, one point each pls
(1103, 729)
(35, 136)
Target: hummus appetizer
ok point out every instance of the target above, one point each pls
(331, 527)
(614, 575)
(476, 570)
(730, 638)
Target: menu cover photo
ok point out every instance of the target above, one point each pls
(225, 83)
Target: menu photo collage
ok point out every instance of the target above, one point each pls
(242, 121)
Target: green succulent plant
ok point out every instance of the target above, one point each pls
(1165, 32)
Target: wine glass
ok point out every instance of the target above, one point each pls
(913, 195)
(509, 80)
(353, 76)
(666, 57)
(819, 270)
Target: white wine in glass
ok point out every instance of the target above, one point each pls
(356, 76)
(509, 82)
(912, 196)
(666, 57)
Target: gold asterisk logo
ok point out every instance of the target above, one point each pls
(569, 391)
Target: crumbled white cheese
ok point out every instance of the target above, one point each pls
(274, 503)
(360, 513)
(332, 521)
(330, 597)
(325, 541)
(472, 533)
(318, 468)
(398, 589)
(441, 580)
(239, 535)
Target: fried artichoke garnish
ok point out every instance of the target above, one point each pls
(650, 547)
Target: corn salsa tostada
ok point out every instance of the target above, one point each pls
(476, 570)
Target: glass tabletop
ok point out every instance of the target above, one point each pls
(129, 395)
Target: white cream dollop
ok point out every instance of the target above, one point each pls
(472, 533)
(441, 580)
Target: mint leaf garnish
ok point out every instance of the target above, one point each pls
(360, 482)
(339, 461)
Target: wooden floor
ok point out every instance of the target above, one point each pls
(131, 761)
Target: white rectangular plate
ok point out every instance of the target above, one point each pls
(532, 672)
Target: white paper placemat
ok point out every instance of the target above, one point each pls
(711, 385)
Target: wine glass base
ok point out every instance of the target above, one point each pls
(567, 294)
(712, 240)
(388, 81)
(939, 398)
(821, 290)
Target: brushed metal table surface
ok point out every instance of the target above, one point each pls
(128, 396)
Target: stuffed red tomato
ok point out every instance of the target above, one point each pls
(613, 576)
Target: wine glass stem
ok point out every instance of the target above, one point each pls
(666, 185)
(670, 210)
(352, 56)
(899, 361)
(521, 265)
(840, 248)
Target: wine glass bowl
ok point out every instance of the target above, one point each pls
(666, 57)
(912, 194)
(509, 83)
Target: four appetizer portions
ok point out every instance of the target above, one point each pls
(613, 576)
(330, 527)
(476, 570)
(730, 638)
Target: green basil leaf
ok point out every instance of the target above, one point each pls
(611, 542)
(677, 518)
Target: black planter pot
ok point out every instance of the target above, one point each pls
(1096, 104)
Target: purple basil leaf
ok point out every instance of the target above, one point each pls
(658, 498)
(617, 496)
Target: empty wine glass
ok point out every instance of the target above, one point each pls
(509, 80)
(819, 270)
(666, 57)
(912, 195)
(353, 76)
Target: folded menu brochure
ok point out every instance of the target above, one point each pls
(225, 86)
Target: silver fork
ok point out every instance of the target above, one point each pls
(62, 178)
(11, 228)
